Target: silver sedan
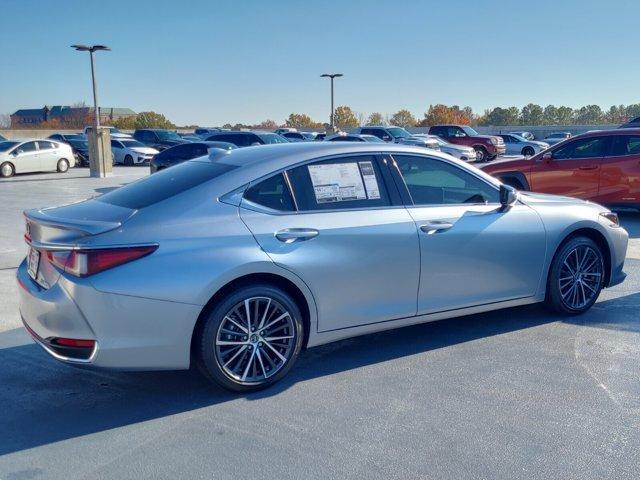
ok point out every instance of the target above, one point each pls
(239, 260)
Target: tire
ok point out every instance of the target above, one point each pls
(63, 165)
(258, 357)
(128, 161)
(528, 152)
(481, 154)
(578, 263)
(7, 170)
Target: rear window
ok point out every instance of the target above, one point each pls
(165, 184)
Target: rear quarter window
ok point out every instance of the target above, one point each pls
(165, 184)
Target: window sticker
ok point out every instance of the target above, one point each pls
(337, 182)
(370, 180)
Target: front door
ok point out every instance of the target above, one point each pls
(344, 234)
(572, 169)
(471, 251)
(27, 158)
(49, 155)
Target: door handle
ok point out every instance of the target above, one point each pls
(290, 235)
(588, 167)
(435, 226)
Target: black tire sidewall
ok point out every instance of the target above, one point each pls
(13, 169)
(553, 296)
(483, 152)
(528, 151)
(61, 162)
(130, 162)
(205, 350)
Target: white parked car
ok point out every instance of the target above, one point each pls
(517, 145)
(524, 134)
(128, 151)
(113, 131)
(31, 155)
(461, 152)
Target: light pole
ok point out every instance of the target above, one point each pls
(91, 49)
(100, 156)
(332, 76)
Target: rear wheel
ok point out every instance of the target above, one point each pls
(250, 339)
(7, 170)
(128, 161)
(63, 165)
(576, 276)
(528, 151)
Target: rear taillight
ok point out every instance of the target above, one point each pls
(83, 263)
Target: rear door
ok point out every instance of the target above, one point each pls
(345, 233)
(27, 158)
(620, 172)
(49, 155)
(573, 169)
(472, 252)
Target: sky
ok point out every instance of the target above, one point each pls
(214, 62)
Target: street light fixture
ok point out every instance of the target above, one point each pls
(91, 49)
(332, 76)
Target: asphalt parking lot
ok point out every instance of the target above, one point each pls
(517, 393)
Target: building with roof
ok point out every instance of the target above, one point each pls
(66, 115)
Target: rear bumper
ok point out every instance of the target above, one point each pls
(131, 333)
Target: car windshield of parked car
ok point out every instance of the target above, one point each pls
(520, 138)
(308, 136)
(132, 143)
(114, 130)
(5, 146)
(272, 138)
(470, 131)
(372, 139)
(165, 135)
(79, 144)
(398, 132)
(165, 184)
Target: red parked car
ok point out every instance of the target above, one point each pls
(602, 166)
(487, 147)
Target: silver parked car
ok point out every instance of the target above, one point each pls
(128, 151)
(241, 259)
(517, 145)
(524, 134)
(461, 152)
(557, 137)
(31, 155)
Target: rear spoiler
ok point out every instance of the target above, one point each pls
(88, 227)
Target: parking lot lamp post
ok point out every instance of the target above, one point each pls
(332, 76)
(100, 164)
(91, 49)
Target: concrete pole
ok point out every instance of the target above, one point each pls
(332, 109)
(95, 90)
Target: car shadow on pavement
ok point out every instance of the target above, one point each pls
(44, 401)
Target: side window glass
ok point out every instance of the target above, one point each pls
(625, 145)
(435, 182)
(340, 183)
(271, 193)
(583, 148)
(28, 147)
(42, 145)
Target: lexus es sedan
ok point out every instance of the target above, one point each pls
(238, 261)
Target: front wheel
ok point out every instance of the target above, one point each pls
(7, 170)
(128, 161)
(576, 276)
(528, 151)
(250, 339)
(481, 154)
(63, 165)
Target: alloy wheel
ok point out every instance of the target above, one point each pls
(6, 170)
(255, 340)
(580, 277)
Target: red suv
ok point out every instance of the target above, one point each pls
(487, 147)
(602, 166)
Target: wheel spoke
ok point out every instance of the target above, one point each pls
(271, 339)
(264, 315)
(566, 264)
(248, 313)
(249, 363)
(235, 355)
(276, 352)
(259, 355)
(229, 319)
(227, 342)
(266, 327)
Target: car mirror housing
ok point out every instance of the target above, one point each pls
(547, 157)
(508, 196)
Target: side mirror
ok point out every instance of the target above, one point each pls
(508, 196)
(547, 157)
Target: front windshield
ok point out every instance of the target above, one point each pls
(272, 138)
(79, 144)
(372, 139)
(4, 146)
(166, 135)
(519, 138)
(308, 136)
(470, 131)
(113, 130)
(132, 143)
(398, 132)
